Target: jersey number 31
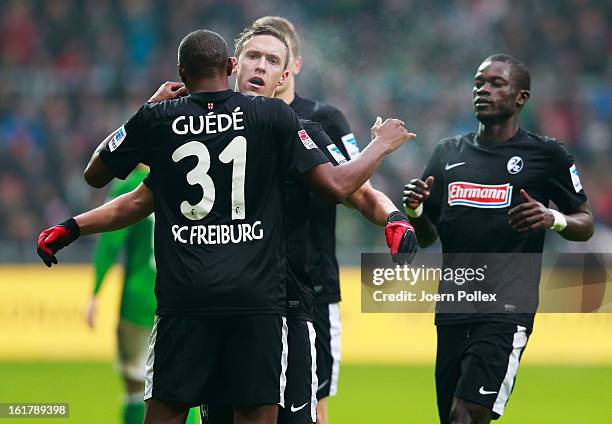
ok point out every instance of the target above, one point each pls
(234, 152)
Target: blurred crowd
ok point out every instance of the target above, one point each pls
(72, 71)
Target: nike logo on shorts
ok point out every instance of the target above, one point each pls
(482, 391)
(294, 409)
(322, 385)
(454, 165)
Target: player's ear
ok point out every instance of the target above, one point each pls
(297, 65)
(232, 63)
(283, 78)
(521, 99)
(181, 72)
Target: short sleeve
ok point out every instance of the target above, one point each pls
(339, 131)
(433, 205)
(298, 152)
(126, 147)
(324, 143)
(148, 181)
(563, 180)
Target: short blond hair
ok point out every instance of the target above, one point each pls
(285, 27)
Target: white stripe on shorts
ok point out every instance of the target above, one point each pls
(312, 335)
(148, 392)
(284, 362)
(335, 330)
(518, 344)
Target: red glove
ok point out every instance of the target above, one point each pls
(400, 238)
(53, 239)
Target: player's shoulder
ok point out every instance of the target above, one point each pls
(455, 142)
(325, 110)
(311, 126)
(262, 101)
(157, 112)
(543, 140)
(547, 144)
(266, 109)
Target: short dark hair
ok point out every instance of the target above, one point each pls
(285, 27)
(519, 73)
(203, 53)
(255, 30)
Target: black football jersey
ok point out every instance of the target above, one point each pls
(321, 262)
(297, 199)
(475, 186)
(217, 164)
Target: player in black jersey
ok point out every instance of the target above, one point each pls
(488, 192)
(321, 263)
(301, 391)
(213, 279)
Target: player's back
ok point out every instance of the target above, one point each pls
(216, 163)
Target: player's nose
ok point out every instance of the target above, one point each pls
(260, 65)
(483, 89)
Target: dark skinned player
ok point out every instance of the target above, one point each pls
(488, 192)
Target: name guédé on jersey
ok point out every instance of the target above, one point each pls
(211, 123)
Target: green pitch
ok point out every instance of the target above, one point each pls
(368, 393)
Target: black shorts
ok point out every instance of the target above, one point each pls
(478, 362)
(301, 392)
(328, 329)
(237, 359)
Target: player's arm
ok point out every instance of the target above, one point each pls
(533, 215)
(574, 218)
(580, 224)
(122, 212)
(398, 231)
(373, 204)
(119, 213)
(423, 199)
(416, 193)
(97, 174)
(336, 183)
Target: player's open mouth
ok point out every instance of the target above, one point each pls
(478, 102)
(258, 81)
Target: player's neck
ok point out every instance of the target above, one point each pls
(499, 132)
(288, 94)
(208, 85)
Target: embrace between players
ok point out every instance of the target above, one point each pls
(238, 248)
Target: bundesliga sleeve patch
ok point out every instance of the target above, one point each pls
(336, 153)
(351, 145)
(479, 195)
(575, 178)
(117, 138)
(306, 140)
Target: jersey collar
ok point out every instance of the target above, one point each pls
(518, 136)
(212, 96)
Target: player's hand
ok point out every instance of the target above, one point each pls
(92, 309)
(391, 133)
(417, 191)
(53, 239)
(400, 238)
(168, 91)
(530, 215)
